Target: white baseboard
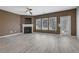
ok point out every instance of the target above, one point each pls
(10, 35)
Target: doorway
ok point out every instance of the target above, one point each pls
(65, 25)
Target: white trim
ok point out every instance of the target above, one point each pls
(10, 35)
(27, 25)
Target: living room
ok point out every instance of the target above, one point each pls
(39, 29)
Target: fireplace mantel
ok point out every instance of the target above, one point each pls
(27, 25)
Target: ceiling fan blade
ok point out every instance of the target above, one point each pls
(26, 10)
(30, 12)
(29, 9)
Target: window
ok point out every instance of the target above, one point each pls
(44, 23)
(53, 23)
(38, 24)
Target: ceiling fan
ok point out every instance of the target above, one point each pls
(29, 10)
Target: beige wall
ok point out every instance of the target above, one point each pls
(9, 23)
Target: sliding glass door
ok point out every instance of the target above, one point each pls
(65, 25)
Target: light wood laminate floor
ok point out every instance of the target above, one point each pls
(39, 43)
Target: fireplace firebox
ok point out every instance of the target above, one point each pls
(27, 30)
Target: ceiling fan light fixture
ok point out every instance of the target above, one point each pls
(28, 10)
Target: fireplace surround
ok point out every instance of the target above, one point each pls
(27, 28)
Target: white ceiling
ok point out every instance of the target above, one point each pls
(36, 10)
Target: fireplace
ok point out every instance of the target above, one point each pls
(27, 28)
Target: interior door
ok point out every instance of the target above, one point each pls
(65, 25)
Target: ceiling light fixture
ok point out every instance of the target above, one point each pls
(28, 10)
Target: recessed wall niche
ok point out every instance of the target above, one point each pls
(28, 21)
